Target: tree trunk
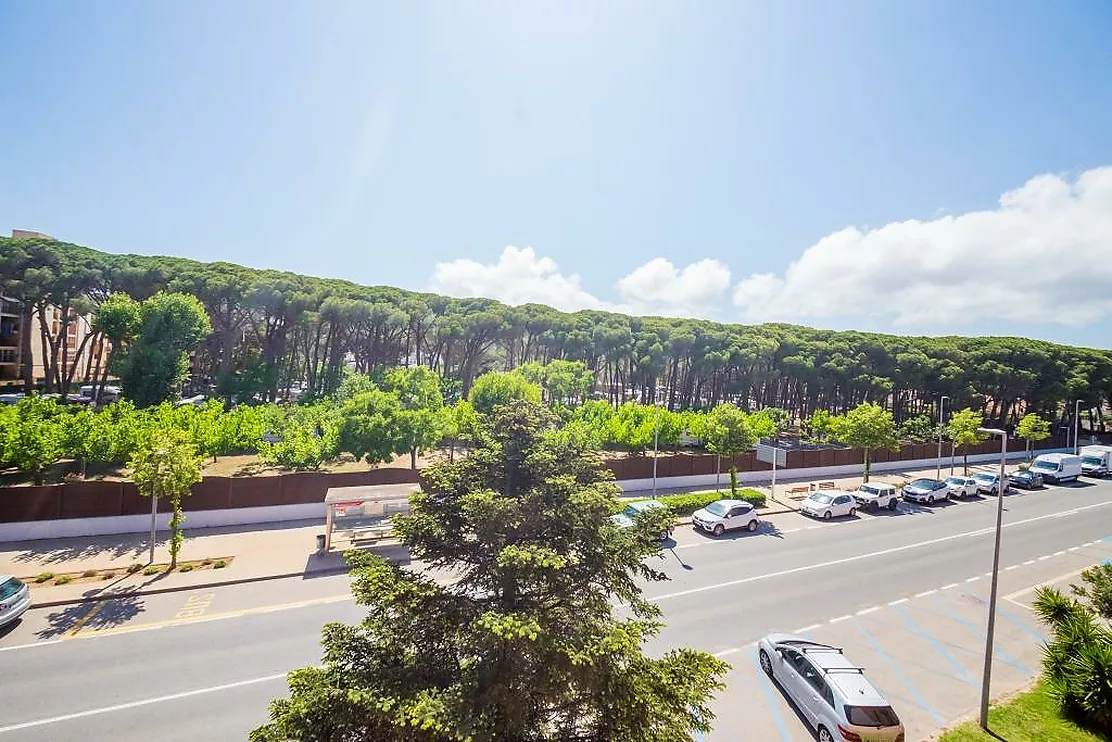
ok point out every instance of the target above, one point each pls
(413, 458)
(25, 347)
(718, 472)
(868, 463)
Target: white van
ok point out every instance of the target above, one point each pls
(1057, 467)
(1096, 461)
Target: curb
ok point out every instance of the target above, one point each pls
(182, 588)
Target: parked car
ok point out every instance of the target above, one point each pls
(829, 504)
(1096, 461)
(15, 599)
(630, 512)
(961, 486)
(988, 482)
(874, 496)
(831, 692)
(1057, 468)
(1025, 478)
(726, 515)
(926, 490)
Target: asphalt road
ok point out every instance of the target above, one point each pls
(202, 665)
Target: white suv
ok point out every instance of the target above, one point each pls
(725, 515)
(831, 692)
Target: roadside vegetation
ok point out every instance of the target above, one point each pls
(1030, 717)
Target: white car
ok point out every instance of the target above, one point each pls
(877, 495)
(726, 515)
(961, 486)
(926, 490)
(629, 514)
(827, 504)
(831, 692)
(15, 599)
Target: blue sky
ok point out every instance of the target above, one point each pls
(411, 143)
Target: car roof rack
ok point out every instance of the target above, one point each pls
(816, 647)
(859, 670)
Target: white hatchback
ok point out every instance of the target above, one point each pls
(831, 692)
(827, 504)
(961, 486)
(15, 599)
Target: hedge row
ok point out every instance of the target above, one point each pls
(688, 503)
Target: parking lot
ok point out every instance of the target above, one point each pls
(923, 650)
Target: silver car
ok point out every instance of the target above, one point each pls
(831, 692)
(15, 599)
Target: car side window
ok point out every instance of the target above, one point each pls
(827, 694)
(736, 511)
(795, 659)
(841, 500)
(810, 674)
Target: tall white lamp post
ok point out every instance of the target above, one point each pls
(1001, 485)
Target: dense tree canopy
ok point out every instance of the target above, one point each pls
(273, 331)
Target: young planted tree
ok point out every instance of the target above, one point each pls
(369, 427)
(420, 421)
(725, 430)
(167, 465)
(529, 645)
(1032, 429)
(868, 426)
(964, 431)
(496, 389)
(155, 362)
(36, 439)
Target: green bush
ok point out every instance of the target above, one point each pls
(185, 568)
(89, 573)
(134, 567)
(44, 577)
(688, 503)
(62, 580)
(152, 570)
(219, 564)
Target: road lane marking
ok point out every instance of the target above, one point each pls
(734, 650)
(805, 629)
(46, 643)
(766, 686)
(974, 579)
(1010, 568)
(1073, 548)
(1043, 558)
(137, 704)
(847, 560)
(951, 586)
(1059, 553)
(1029, 561)
(894, 667)
(195, 606)
(901, 601)
(85, 619)
(867, 611)
(925, 593)
(935, 645)
(978, 633)
(1012, 618)
(839, 619)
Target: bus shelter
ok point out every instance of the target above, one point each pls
(357, 515)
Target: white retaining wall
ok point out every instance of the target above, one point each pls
(70, 527)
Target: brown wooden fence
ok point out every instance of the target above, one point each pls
(94, 499)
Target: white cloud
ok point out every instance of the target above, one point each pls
(519, 277)
(659, 288)
(1043, 255)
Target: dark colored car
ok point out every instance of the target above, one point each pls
(1026, 479)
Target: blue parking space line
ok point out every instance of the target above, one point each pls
(941, 650)
(999, 652)
(766, 686)
(920, 700)
(1011, 618)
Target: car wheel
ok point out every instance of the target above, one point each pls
(826, 515)
(930, 499)
(766, 663)
(853, 512)
(824, 735)
(719, 530)
(752, 526)
(892, 504)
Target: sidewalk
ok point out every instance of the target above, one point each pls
(253, 553)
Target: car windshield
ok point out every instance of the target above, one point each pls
(822, 499)
(872, 716)
(985, 477)
(1092, 460)
(10, 587)
(924, 483)
(954, 480)
(868, 489)
(630, 511)
(1045, 465)
(716, 508)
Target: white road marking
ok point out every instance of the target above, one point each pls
(898, 602)
(1059, 553)
(951, 586)
(1043, 558)
(925, 593)
(136, 704)
(33, 644)
(733, 650)
(1014, 566)
(1029, 561)
(840, 619)
(805, 629)
(866, 611)
(973, 579)
(1073, 548)
(847, 560)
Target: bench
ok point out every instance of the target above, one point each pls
(824, 485)
(798, 493)
(370, 533)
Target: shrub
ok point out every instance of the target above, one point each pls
(688, 503)
(185, 568)
(62, 579)
(44, 577)
(89, 573)
(134, 567)
(107, 575)
(219, 564)
(152, 570)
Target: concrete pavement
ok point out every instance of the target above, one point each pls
(224, 650)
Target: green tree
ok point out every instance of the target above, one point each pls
(167, 465)
(369, 428)
(1032, 429)
(156, 361)
(820, 425)
(305, 439)
(542, 637)
(36, 439)
(726, 431)
(496, 389)
(117, 320)
(420, 421)
(918, 429)
(868, 426)
(964, 431)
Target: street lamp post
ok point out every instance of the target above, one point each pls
(938, 464)
(985, 681)
(1076, 427)
(656, 438)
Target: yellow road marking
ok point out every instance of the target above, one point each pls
(196, 606)
(85, 619)
(222, 616)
